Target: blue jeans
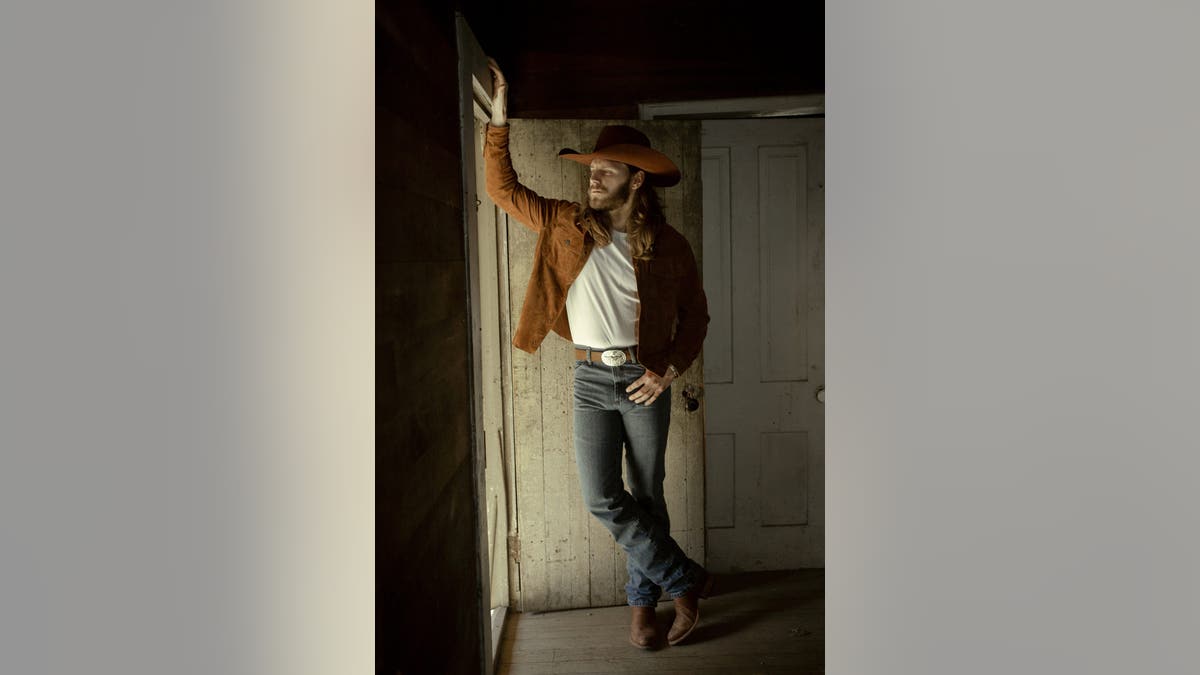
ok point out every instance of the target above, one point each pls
(605, 421)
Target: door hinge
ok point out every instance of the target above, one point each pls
(514, 548)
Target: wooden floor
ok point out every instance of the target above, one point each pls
(765, 622)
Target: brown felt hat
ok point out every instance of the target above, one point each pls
(621, 143)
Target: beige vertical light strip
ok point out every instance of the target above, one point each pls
(308, 135)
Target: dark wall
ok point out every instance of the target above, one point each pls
(428, 611)
(573, 59)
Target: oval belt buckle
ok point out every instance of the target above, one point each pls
(613, 357)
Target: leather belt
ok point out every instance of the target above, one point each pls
(609, 357)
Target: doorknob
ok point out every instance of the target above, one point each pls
(821, 394)
(691, 397)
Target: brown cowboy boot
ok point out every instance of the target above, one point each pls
(687, 609)
(642, 630)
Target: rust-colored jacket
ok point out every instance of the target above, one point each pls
(672, 317)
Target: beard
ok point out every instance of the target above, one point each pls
(609, 201)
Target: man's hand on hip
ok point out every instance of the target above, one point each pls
(647, 387)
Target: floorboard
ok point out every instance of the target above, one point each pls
(763, 622)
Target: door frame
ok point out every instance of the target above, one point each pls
(736, 108)
(475, 103)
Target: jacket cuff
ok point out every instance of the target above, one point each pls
(497, 135)
(681, 364)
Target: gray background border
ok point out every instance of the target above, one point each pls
(1011, 338)
(1012, 331)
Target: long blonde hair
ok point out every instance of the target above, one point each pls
(645, 221)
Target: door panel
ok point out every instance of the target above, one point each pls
(718, 279)
(564, 557)
(764, 216)
(782, 210)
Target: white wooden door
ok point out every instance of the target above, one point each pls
(764, 220)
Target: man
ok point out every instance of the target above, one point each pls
(618, 281)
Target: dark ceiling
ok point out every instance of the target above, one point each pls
(600, 59)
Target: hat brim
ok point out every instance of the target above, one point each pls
(660, 170)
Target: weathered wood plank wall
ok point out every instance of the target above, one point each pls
(565, 557)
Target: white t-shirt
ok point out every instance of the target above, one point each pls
(602, 303)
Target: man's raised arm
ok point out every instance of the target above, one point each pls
(534, 211)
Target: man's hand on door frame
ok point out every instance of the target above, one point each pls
(499, 95)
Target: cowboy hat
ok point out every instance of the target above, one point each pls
(621, 143)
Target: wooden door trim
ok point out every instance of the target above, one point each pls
(473, 71)
(736, 108)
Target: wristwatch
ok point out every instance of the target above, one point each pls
(674, 373)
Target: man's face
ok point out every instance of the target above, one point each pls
(609, 186)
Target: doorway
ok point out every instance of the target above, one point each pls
(487, 274)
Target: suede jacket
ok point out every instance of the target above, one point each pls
(672, 317)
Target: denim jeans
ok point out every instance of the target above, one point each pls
(606, 422)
